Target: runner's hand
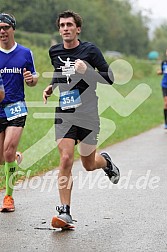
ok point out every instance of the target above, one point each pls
(159, 72)
(28, 77)
(80, 66)
(47, 93)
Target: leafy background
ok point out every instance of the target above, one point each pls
(111, 25)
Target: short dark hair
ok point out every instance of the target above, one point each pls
(67, 14)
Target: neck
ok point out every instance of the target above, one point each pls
(7, 46)
(71, 44)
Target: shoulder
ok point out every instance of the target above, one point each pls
(25, 52)
(92, 50)
(23, 48)
(56, 47)
(93, 54)
(89, 45)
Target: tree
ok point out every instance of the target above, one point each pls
(159, 41)
(110, 24)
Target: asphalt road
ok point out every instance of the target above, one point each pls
(129, 216)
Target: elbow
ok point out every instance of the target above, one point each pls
(111, 77)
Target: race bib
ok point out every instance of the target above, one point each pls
(70, 99)
(15, 110)
(165, 69)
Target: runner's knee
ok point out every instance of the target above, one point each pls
(9, 153)
(66, 160)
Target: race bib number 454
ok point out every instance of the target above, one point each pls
(15, 110)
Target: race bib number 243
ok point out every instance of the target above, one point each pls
(15, 110)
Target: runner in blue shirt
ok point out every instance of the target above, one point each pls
(16, 67)
(163, 72)
(77, 119)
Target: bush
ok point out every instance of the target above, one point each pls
(38, 39)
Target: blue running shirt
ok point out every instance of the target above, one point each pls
(12, 63)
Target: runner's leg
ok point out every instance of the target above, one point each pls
(91, 160)
(11, 141)
(66, 150)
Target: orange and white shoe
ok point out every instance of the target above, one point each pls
(8, 204)
(19, 157)
(64, 219)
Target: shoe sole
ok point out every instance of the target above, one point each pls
(7, 210)
(59, 223)
(115, 180)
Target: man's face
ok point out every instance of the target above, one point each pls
(68, 29)
(6, 33)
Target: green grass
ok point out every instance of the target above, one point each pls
(146, 116)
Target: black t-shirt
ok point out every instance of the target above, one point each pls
(63, 61)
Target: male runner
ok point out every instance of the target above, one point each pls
(16, 66)
(77, 119)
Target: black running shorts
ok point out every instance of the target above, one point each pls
(18, 122)
(79, 129)
(164, 91)
(77, 133)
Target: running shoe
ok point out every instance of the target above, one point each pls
(64, 219)
(8, 204)
(111, 170)
(19, 157)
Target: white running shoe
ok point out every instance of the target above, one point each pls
(111, 170)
